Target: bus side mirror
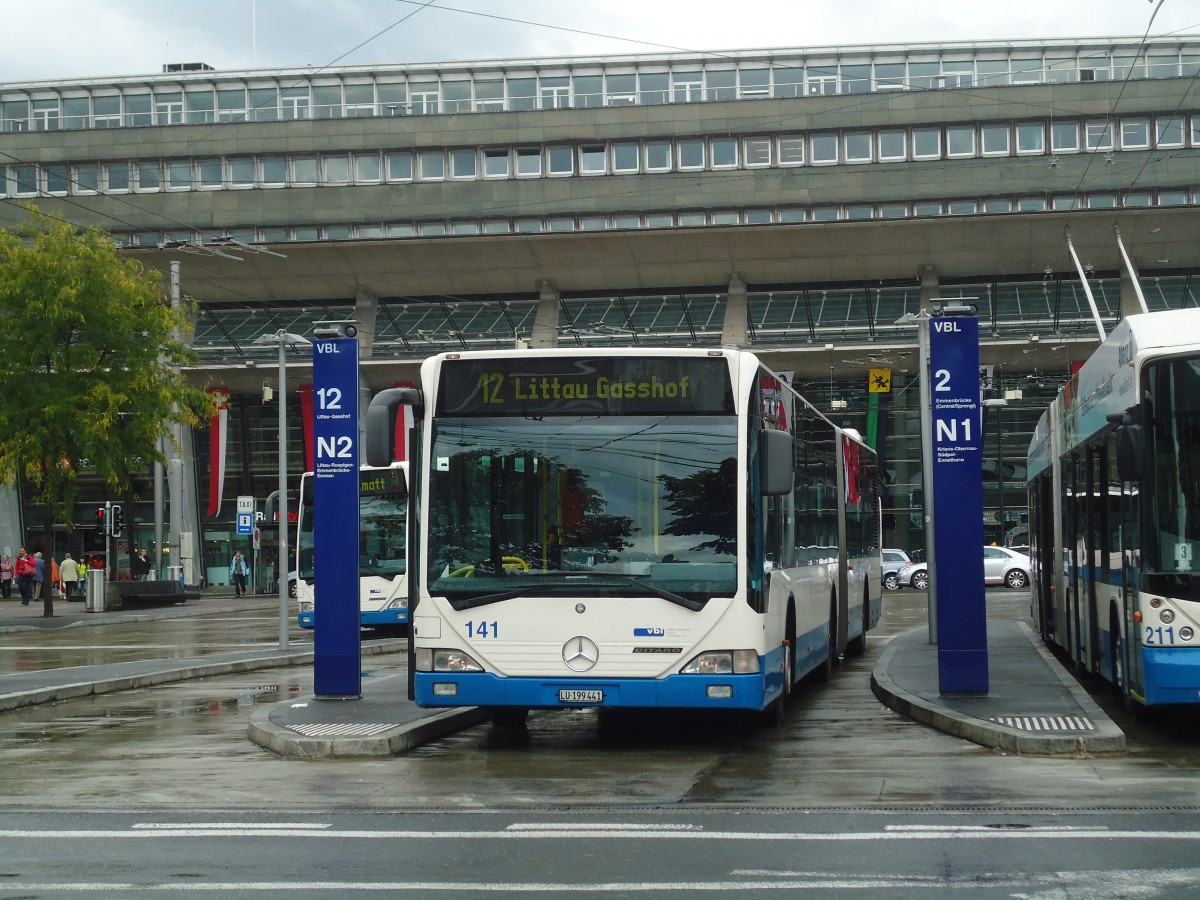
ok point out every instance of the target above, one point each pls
(1130, 447)
(271, 515)
(381, 423)
(776, 474)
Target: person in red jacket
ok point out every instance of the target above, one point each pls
(24, 570)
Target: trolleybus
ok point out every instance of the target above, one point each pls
(629, 528)
(1114, 490)
(382, 546)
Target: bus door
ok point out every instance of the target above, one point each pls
(1130, 566)
(1047, 556)
(1069, 637)
(1096, 499)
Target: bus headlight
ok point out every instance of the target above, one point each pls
(1186, 633)
(723, 662)
(1167, 616)
(445, 660)
(398, 603)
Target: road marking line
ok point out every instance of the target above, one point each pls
(1087, 882)
(236, 825)
(995, 828)
(272, 830)
(597, 826)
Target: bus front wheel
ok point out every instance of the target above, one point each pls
(509, 717)
(825, 670)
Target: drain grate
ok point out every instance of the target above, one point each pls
(341, 730)
(1056, 724)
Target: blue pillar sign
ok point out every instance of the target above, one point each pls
(958, 505)
(337, 661)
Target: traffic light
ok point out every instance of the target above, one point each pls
(100, 523)
(116, 521)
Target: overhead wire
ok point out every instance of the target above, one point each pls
(860, 101)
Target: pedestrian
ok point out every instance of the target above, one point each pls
(24, 569)
(39, 574)
(141, 566)
(68, 571)
(6, 576)
(238, 570)
(83, 570)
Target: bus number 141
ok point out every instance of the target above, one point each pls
(483, 630)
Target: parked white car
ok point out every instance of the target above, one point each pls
(1000, 566)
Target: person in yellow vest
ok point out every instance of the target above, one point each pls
(83, 570)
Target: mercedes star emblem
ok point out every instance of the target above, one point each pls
(580, 654)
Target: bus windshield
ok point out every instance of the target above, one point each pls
(1172, 485)
(573, 505)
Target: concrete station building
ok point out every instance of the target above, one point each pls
(797, 202)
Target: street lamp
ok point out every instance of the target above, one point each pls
(921, 320)
(998, 403)
(283, 339)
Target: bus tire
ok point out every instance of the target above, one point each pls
(789, 667)
(825, 670)
(509, 717)
(1116, 653)
(775, 713)
(858, 646)
(1120, 674)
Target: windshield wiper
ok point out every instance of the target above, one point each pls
(461, 603)
(366, 569)
(669, 596)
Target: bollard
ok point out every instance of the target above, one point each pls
(94, 599)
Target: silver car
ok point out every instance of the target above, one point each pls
(1000, 566)
(893, 560)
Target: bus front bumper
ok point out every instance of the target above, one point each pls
(1172, 675)
(366, 620)
(745, 692)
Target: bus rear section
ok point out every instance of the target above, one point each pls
(382, 586)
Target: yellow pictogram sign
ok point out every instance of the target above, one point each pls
(880, 381)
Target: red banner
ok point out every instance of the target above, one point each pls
(306, 425)
(218, 427)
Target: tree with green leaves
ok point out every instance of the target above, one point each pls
(90, 366)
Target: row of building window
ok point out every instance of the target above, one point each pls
(250, 97)
(671, 219)
(614, 157)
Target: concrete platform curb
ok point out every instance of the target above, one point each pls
(1106, 739)
(194, 669)
(19, 699)
(285, 742)
(71, 615)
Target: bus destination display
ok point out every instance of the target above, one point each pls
(593, 386)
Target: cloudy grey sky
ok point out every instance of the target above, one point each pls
(52, 39)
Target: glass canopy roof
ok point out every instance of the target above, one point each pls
(407, 327)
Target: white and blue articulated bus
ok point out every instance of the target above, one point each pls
(382, 549)
(1114, 492)
(629, 528)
